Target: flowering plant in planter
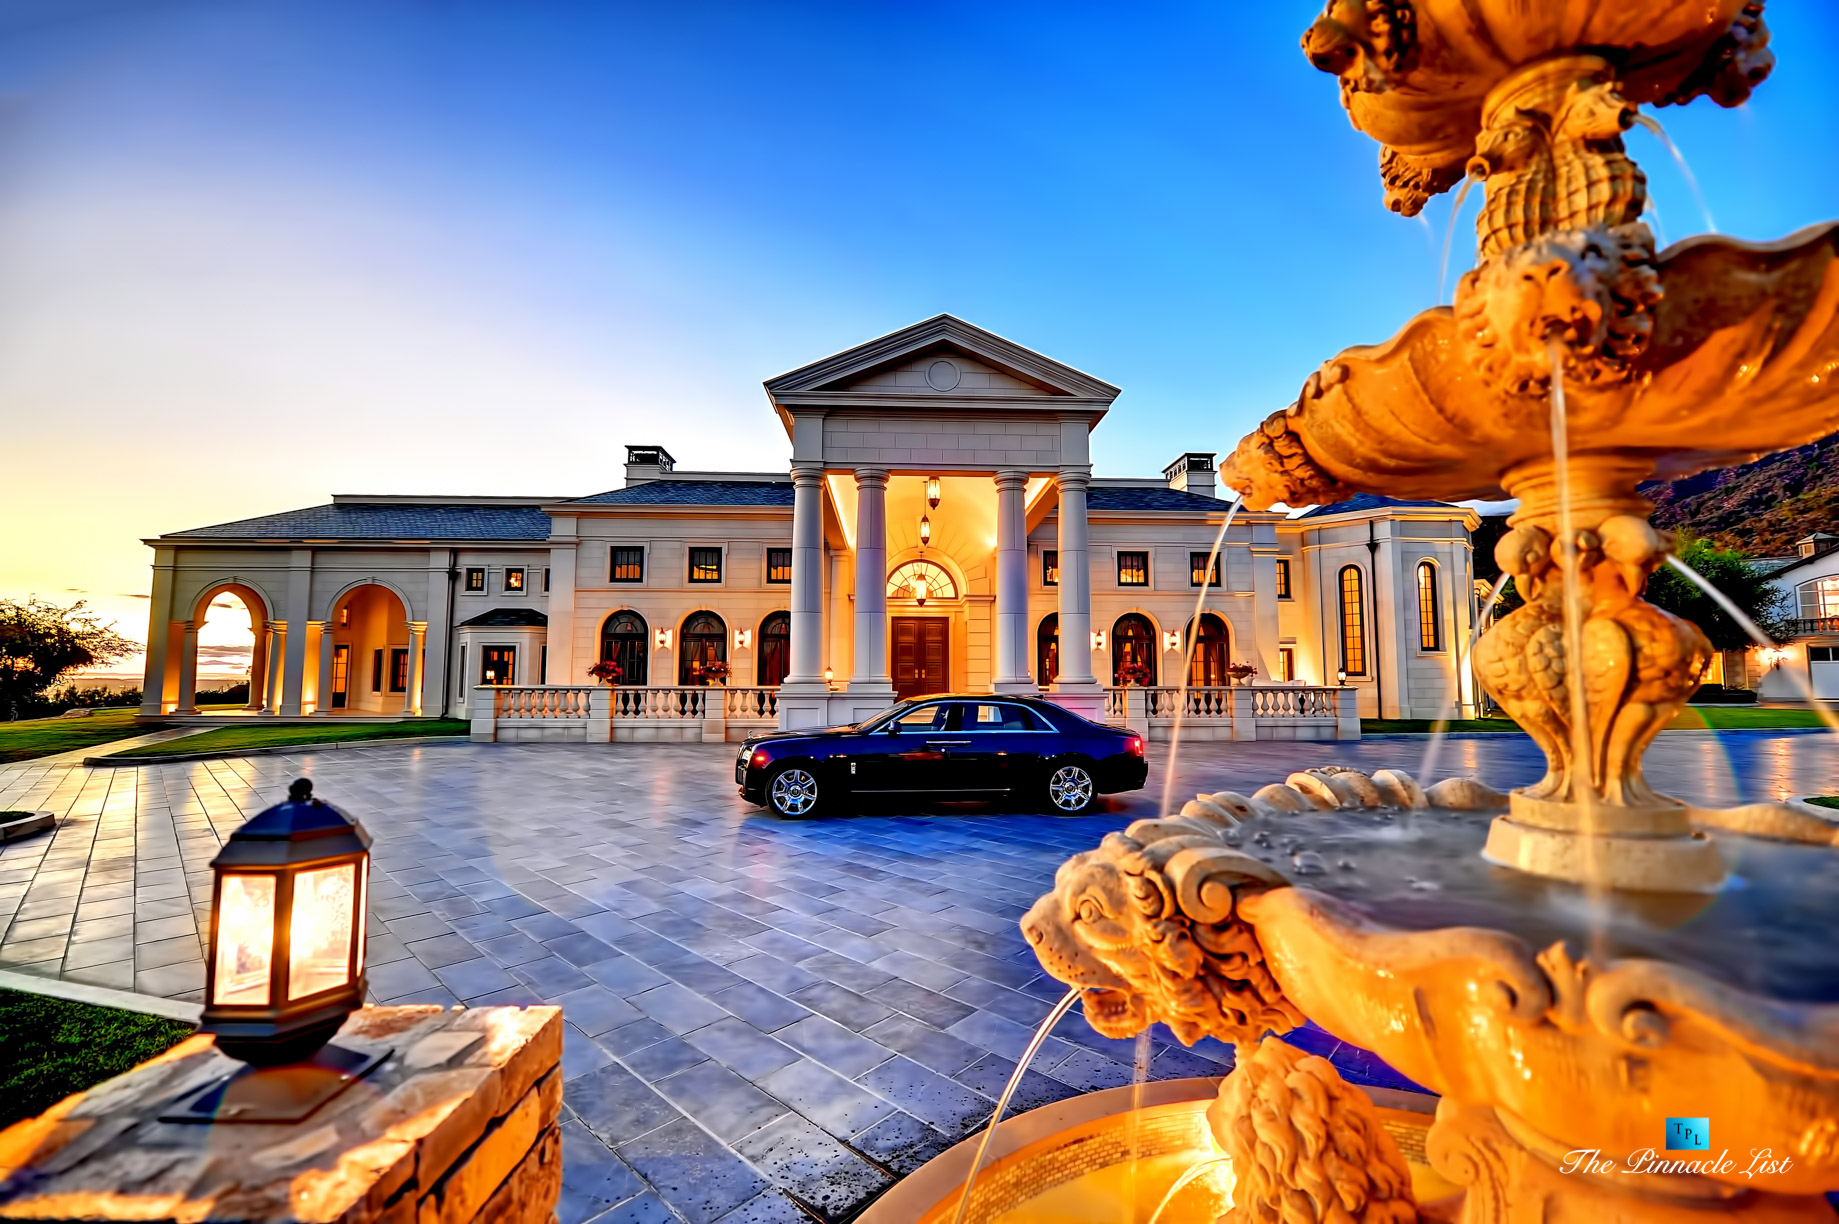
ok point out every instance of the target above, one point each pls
(1133, 674)
(607, 672)
(1240, 673)
(715, 670)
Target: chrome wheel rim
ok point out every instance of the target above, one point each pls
(1070, 788)
(794, 792)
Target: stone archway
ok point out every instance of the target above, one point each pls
(367, 654)
(256, 607)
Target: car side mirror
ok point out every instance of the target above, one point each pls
(892, 728)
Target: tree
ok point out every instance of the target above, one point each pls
(40, 642)
(1728, 570)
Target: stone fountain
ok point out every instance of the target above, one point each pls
(1688, 970)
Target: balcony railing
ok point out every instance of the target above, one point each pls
(1289, 711)
(1808, 626)
(598, 714)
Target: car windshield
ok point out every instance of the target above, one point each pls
(875, 721)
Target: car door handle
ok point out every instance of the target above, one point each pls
(944, 743)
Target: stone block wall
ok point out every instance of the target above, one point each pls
(457, 1125)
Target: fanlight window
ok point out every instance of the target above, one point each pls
(921, 580)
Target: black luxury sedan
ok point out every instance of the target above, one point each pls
(945, 746)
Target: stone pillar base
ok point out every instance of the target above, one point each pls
(1085, 700)
(1683, 864)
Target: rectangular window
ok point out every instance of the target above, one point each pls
(514, 579)
(779, 565)
(542, 664)
(1430, 628)
(1286, 664)
(376, 671)
(545, 580)
(1819, 654)
(1197, 569)
(399, 669)
(475, 578)
(628, 565)
(705, 565)
(498, 665)
(341, 676)
(1050, 567)
(1353, 621)
(1283, 578)
(1133, 569)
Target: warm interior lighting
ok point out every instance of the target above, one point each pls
(925, 531)
(932, 492)
(245, 940)
(319, 936)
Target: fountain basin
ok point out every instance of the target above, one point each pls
(1070, 1162)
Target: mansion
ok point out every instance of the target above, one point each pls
(937, 528)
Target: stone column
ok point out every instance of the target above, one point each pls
(1075, 582)
(277, 652)
(418, 639)
(159, 634)
(871, 647)
(561, 612)
(188, 669)
(299, 590)
(322, 702)
(436, 681)
(1012, 670)
(258, 668)
(807, 662)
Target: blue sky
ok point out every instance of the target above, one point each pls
(253, 253)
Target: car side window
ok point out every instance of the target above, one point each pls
(923, 719)
(998, 716)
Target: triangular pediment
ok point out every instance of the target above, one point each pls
(941, 356)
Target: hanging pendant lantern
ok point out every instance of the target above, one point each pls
(925, 531)
(932, 492)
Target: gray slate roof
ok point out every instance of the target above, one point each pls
(1368, 501)
(1144, 498)
(507, 616)
(696, 493)
(386, 522)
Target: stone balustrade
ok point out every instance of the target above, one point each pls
(1239, 712)
(457, 1125)
(600, 714)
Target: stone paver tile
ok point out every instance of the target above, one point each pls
(1010, 1004)
(596, 1010)
(900, 1142)
(925, 1045)
(616, 1105)
(843, 1051)
(168, 952)
(737, 1044)
(929, 1096)
(918, 970)
(771, 1207)
(175, 981)
(660, 1058)
(515, 948)
(677, 1008)
(804, 1161)
(384, 948)
(923, 1004)
(841, 1004)
(15, 954)
(83, 953)
(690, 1170)
(581, 948)
(551, 976)
(119, 925)
(416, 927)
(397, 978)
(992, 1032)
(471, 978)
(442, 950)
(38, 928)
(543, 926)
(593, 1177)
(988, 1075)
(726, 1105)
(703, 976)
(820, 1094)
(646, 1208)
(1089, 1072)
(579, 1053)
(760, 1007)
(116, 975)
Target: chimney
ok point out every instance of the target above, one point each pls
(647, 463)
(1192, 473)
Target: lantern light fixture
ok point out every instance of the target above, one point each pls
(829, 677)
(285, 964)
(932, 492)
(1171, 640)
(1341, 676)
(1098, 639)
(919, 590)
(925, 530)
(743, 638)
(661, 637)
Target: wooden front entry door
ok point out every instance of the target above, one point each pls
(922, 644)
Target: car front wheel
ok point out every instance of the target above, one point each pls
(791, 791)
(1070, 789)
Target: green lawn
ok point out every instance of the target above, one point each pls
(37, 737)
(237, 739)
(1828, 801)
(1720, 717)
(1384, 726)
(50, 1048)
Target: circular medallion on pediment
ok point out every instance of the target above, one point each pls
(942, 375)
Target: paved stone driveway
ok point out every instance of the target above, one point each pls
(756, 1009)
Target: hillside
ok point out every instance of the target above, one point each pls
(1761, 508)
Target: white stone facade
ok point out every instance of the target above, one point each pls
(383, 606)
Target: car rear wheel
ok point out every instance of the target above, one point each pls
(1070, 789)
(791, 791)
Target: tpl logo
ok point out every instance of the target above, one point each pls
(1688, 1134)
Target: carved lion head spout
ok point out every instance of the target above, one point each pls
(1145, 927)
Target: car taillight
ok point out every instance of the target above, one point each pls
(1136, 745)
(759, 759)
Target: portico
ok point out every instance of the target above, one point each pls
(940, 444)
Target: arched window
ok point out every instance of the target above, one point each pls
(623, 641)
(1133, 640)
(1047, 650)
(1353, 621)
(1819, 599)
(1208, 666)
(774, 659)
(704, 641)
(1430, 625)
(920, 581)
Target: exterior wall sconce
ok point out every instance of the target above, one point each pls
(829, 677)
(925, 531)
(743, 638)
(285, 964)
(1171, 640)
(1098, 639)
(1341, 676)
(932, 492)
(661, 638)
